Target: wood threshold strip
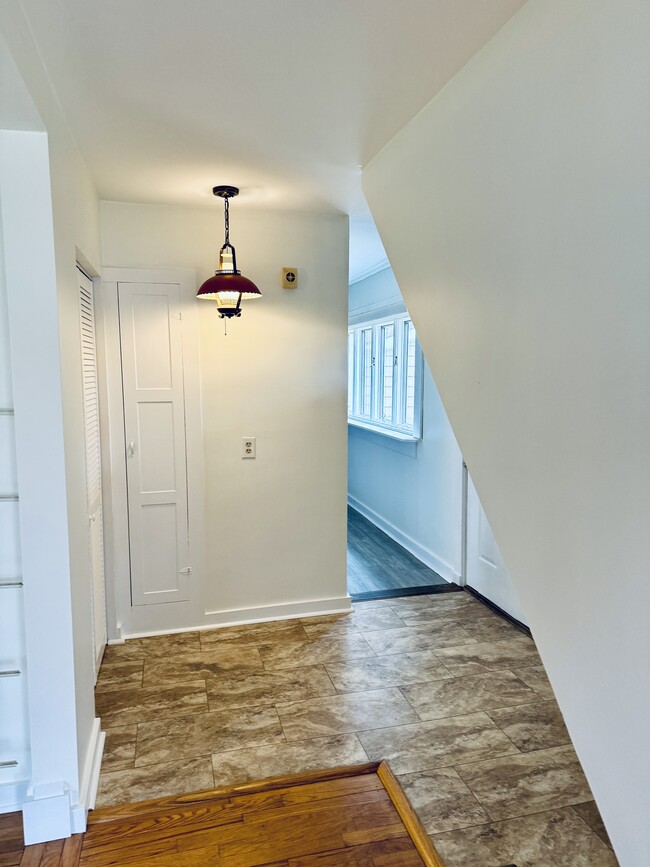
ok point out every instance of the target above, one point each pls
(131, 811)
(70, 852)
(409, 817)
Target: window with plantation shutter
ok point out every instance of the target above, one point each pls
(388, 364)
(384, 377)
(409, 374)
(367, 364)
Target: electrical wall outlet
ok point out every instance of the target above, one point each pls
(248, 447)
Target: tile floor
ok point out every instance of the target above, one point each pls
(450, 694)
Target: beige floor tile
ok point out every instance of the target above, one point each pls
(390, 670)
(156, 646)
(330, 628)
(294, 654)
(155, 781)
(442, 800)
(532, 726)
(382, 618)
(523, 784)
(535, 677)
(206, 733)
(359, 621)
(208, 663)
(492, 705)
(437, 744)
(467, 694)
(408, 606)
(253, 633)
(257, 763)
(411, 639)
(320, 619)
(119, 748)
(489, 656)
(344, 713)
(458, 614)
(119, 707)
(372, 604)
(454, 600)
(549, 839)
(118, 675)
(255, 688)
(590, 814)
(491, 628)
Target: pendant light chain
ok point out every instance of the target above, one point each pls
(227, 219)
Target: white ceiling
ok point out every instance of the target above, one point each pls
(286, 99)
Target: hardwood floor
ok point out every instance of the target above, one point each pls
(376, 562)
(337, 818)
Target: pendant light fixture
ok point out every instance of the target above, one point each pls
(228, 288)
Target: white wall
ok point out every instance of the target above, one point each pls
(275, 526)
(412, 491)
(57, 612)
(14, 721)
(514, 210)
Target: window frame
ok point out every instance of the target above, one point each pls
(374, 420)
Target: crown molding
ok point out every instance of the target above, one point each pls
(374, 269)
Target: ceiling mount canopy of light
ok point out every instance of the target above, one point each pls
(228, 288)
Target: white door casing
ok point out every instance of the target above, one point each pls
(485, 569)
(93, 465)
(154, 426)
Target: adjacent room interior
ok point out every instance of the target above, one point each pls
(405, 470)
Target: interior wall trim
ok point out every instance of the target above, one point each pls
(493, 607)
(13, 795)
(381, 265)
(90, 782)
(261, 614)
(425, 555)
(376, 310)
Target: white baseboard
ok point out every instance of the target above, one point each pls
(90, 781)
(261, 614)
(49, 811)
(12, 796)
(115, 635)
(424, 555)
(47, 817)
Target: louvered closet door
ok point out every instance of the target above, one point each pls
(154, 425)
(93, 465)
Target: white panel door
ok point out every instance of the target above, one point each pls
(154, 423)
(93, 465)
(486, 571)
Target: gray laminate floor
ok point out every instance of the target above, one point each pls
(376, 562)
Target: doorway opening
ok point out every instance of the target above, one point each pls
(415, 521)
(404, 466)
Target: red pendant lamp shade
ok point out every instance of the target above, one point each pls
(228, 282)
(228, 288)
